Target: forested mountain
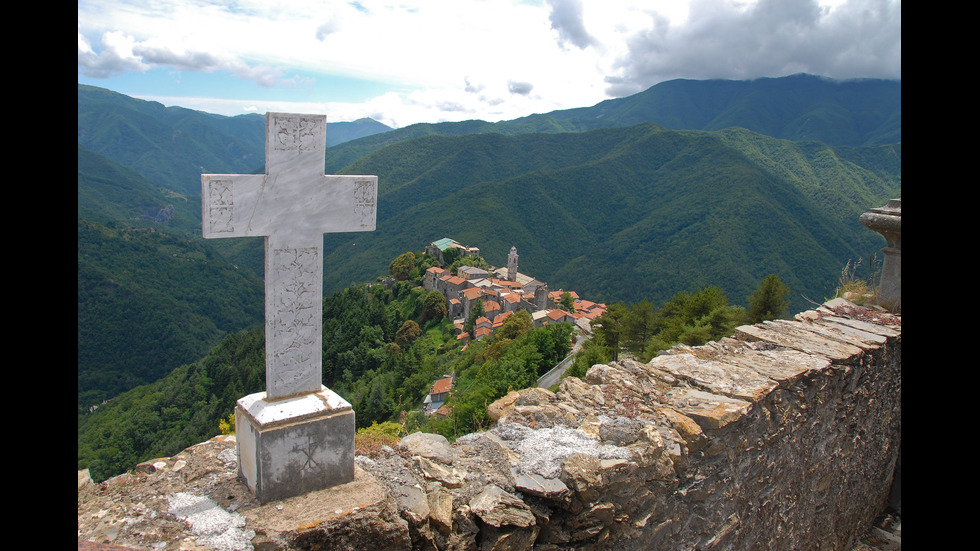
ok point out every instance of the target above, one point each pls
(148, 302)
(799, 107)
(173, 146)
(630, 213)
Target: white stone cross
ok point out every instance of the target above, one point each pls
(292, 205)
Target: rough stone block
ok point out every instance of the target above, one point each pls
(295, 445)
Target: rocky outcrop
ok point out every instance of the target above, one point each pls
(784, 437)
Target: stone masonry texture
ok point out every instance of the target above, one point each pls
(785, 436)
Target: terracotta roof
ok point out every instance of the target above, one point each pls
(472, 293)
(442, 385)
(436, 269)
(591, 314)
(558, 314)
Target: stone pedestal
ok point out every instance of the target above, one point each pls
(887, 221)
(295, 445)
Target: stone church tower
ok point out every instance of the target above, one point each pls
(512, 264)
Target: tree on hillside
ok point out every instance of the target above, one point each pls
(475, 312)
(610, 327)
(769, 300)
(590, 355)
(639, 326)
(515, 325)
(696, 318)
(401, 267)
(407, 333)
(566, 302)
(450, 255)
(433, 306)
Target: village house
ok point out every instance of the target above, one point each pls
(438, 395)
(439, 247)
(472, 272)
(502, 292)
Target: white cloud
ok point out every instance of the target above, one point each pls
(722, 39)
(488, 59)
(566, 18)
(116, 56)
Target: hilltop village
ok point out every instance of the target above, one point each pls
(497, 293)
(501, 292)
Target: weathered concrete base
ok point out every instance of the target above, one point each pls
(295, 445)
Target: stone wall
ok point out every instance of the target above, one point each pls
(786, 436)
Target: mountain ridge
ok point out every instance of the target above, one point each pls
(473, 205)
(175, 145)
(797, 107)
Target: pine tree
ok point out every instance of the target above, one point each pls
(769, 300)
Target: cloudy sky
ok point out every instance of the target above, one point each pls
(407, 61)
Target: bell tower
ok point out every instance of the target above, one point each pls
(512, 264)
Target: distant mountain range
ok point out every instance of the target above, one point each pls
(799, 107)
(688, 184)
(173, 146)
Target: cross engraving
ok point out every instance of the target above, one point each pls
(292, 205)
(308, 452)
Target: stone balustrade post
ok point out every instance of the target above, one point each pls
(887, 221)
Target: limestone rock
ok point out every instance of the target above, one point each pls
(537, 485)
(716, 377)
(501, 407)
(685, 426)
(577, 391)
(431, 446)
(432, 470)
(441, 510)
(580, 472)
(710, 411)
(499, 508)
(535, 396)
(85, 480)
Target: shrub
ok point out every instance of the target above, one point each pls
(859, 290)
(370, 440)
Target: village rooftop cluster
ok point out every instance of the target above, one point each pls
(502, 291)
